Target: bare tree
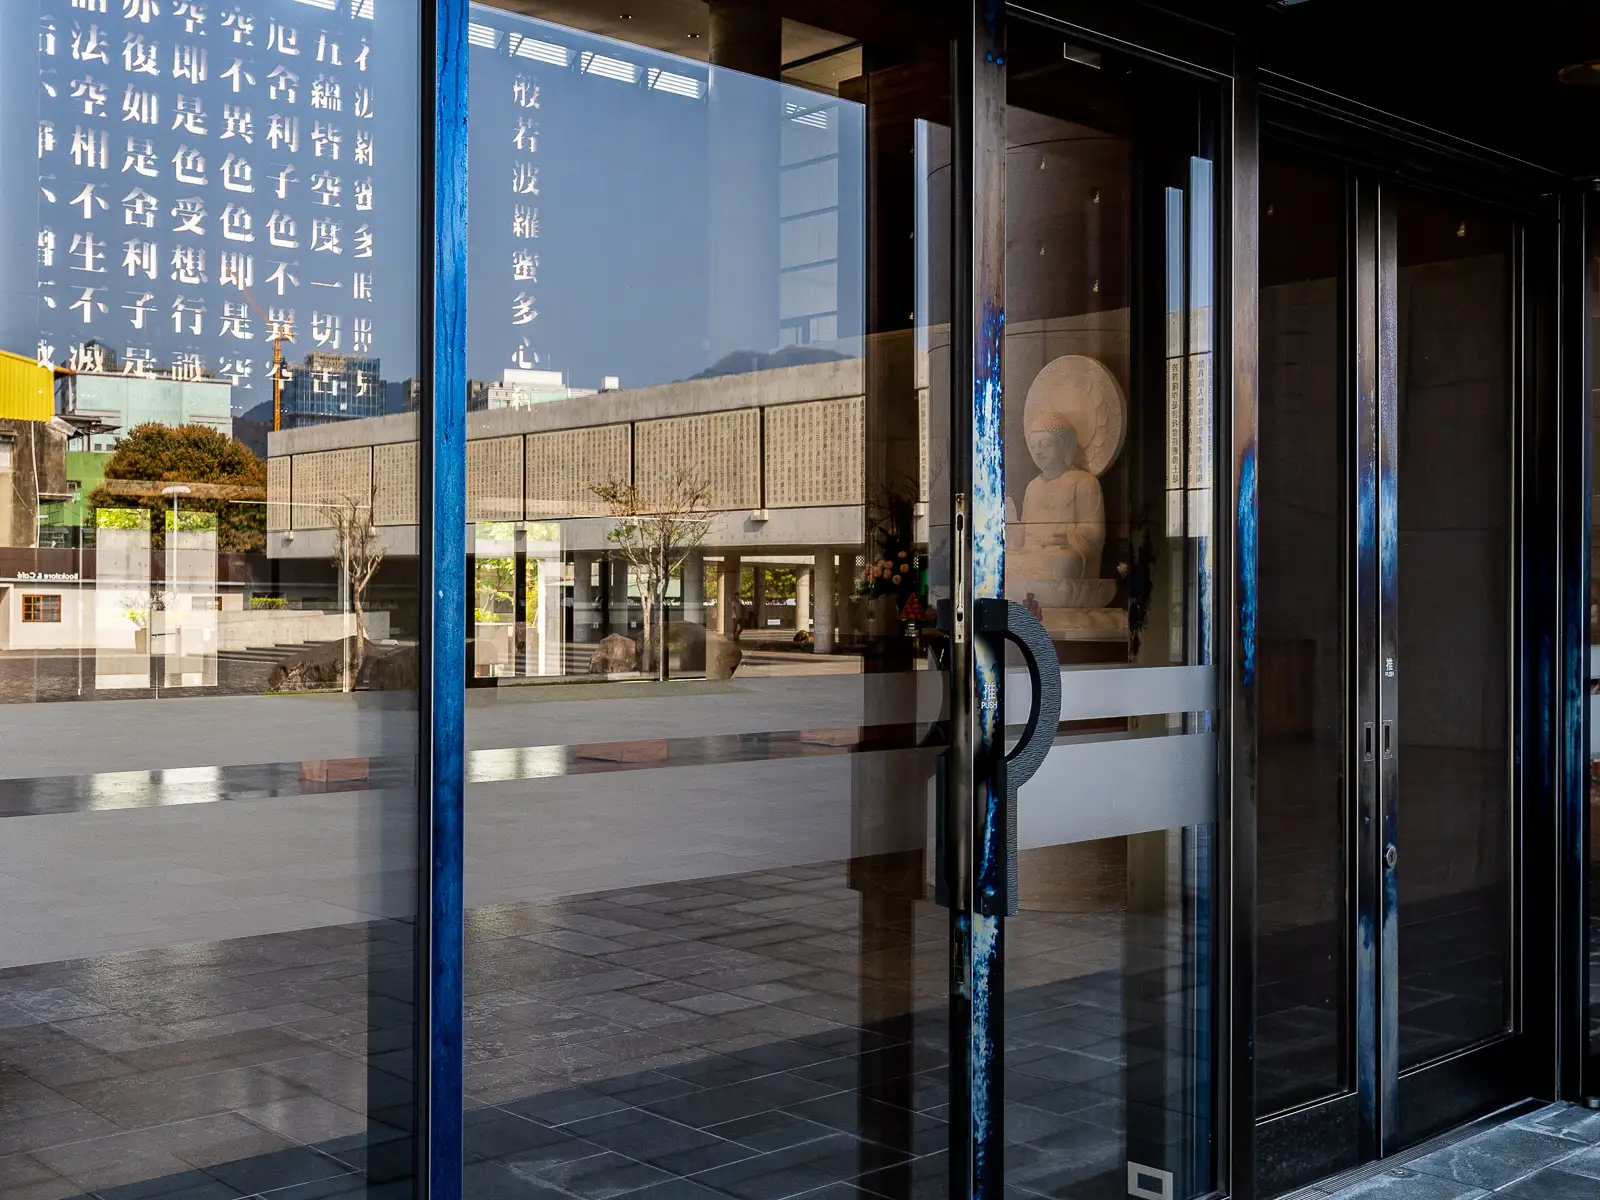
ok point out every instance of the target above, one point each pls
(653, 536)
(358, 554)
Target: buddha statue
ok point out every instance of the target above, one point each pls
(1075, 417)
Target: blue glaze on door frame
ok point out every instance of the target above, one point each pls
(982, 924)
(442, 558)
(1388, 734)
(1363, 230)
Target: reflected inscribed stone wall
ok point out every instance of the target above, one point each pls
(563, 467)
(394, 484)
(278, 492)
(494, 479)
(814, 453)
(721, 449)
(325, 478)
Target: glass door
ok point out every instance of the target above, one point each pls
(1100, 939)
(1389, 890)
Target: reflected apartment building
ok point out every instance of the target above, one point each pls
(786, 599)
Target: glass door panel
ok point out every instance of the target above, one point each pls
(1303, 959)
(1452, 730)
(1108, 482)
(1387, 892)
(709, 318)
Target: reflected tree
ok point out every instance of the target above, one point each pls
(654, 535)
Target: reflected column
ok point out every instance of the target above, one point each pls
(694, 588)
(822, 600)
(728, 595)
(745, 112)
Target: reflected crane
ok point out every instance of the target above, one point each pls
(282, 334)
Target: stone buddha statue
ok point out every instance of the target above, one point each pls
(1075, 416)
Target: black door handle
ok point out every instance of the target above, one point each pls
(1010, 621)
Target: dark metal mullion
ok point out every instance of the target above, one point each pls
(1528, 766)
(1388, 667)
(1237, 417)
(1362, 656)
(1577, 1065)
(442, 559)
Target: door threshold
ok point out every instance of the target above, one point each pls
(1324, 1188)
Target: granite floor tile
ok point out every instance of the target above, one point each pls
(773, 1130)
(1585, 1163)
(601, 1176)
(1552, 1183)
(115, 1161)
(565, 1105)
(676, 1189)
(1404, 1184)
(1494, 1158)
(31, 1134)
(716, 1105)
(1564, 1120)
(190, 1185)
(496, 1134)
(278, 1169)
(677, 1149)
(495, 1181)
(25, 1177)
(337, 1187)
(798, 1169)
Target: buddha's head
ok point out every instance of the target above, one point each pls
(1053, 442)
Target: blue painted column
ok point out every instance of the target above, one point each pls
(442, 561)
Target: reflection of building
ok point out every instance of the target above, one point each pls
(33, 444)
(523, 388)
(121, 402)
(399, 396)
(330, 387)
(782, 452)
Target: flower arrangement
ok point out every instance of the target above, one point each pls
(890, 576)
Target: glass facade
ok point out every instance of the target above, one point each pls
(210, 684)
(1007, 642)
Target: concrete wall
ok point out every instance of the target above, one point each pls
(238, 628)
(807, 456)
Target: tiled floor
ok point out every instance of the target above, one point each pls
(1551, 1154)
(755, 1036)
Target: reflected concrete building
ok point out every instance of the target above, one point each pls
(781, 453)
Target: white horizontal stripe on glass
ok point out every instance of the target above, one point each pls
(1088, 790)
(1091, 692)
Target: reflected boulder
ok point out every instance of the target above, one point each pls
(318, 668)
(615, 655)
(394, 669)
(696, 650)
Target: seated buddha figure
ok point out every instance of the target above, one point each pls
(1074, 418)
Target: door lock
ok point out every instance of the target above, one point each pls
(1390, 856)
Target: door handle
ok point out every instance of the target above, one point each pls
(1011, 622)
